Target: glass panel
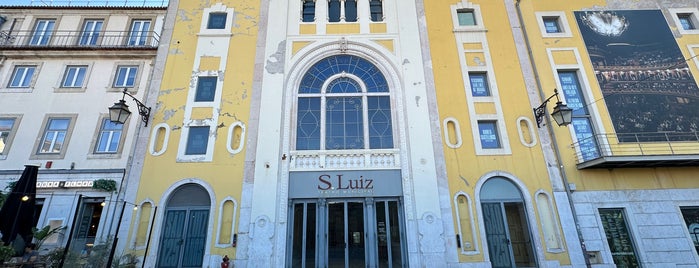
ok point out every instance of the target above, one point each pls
(350, 10)
(74, 76)
(5, 128)
(395, 232)
(195, 239)
(42, 32)
(206, 89)
(309, 11)
(91, 32)
(197, 141)
(479, 84)
(382, 235)
(110, 135)
(573, 95)
(343, 85)
(380, 126)
(217, 21)
(355, 226)
(551, 25)
(618, 237)
(344, 123)
(308, 124)
(336, 235)
(334, 10)
(139, 32)
(466, 17)
(22, 76)
(376, 10)
(304, 235)
(691, 219)
(587, 144)
(488, 132)
(686, 21)
(126, 76)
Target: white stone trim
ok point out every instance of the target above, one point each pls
(229, 140)
(553, 220)
(530, 129)
(154, 139)
(457, 131)
(134, 231)
(694, 16)
(562, 20)
(220, 220)
(469, 204)
(464, 4)
(217, 8)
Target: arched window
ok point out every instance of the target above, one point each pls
(344, 102)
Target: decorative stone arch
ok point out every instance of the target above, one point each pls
(164, 200)
(529, 212)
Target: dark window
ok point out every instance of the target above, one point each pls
(686, 21)
(350, 10)
(618, 237)
(479, 84)
(334, 10)
(309, 11)
(551, 25)
(488, 133)
(466, 17)
(691, 219)
(206, 89)
(376, 10)
(217, 21)
(197, 141)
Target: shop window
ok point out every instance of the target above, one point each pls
(691, 220)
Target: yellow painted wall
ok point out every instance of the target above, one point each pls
(225, 173)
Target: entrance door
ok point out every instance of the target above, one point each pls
(346, 233)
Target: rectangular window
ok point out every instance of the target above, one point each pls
(686, 21)
(551, 25)
(206, 89)
(334, 10)
(22, 76)
(91, 32)
(217, 20)
(376, 10)
(74, 76)
(618, 237)
(125, 76)
(109, 137)
(308, 14)
(139, 32)
(584, 133)
(350, 10)
(479, 84)
(54, 135)
(488, 133)
(466, 17)
(197, 141)
(691, 220)
(6, 130)
(42, 32)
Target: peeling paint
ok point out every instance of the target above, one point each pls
(167, 114)
(405, 61)
(168, 91)
(275, 64)
(176, 128)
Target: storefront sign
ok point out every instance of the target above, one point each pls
(350, 183)
(64, 184)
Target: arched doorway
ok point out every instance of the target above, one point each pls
(506, 225)
(184, 228)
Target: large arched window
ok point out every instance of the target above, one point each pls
(344, 102)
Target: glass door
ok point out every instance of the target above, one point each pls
(346, 236)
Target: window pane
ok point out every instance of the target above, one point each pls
(334, 10)
(217, 21)
(488, 133)
(343, 85)
(42, 32)
(551, 25)
(6, 125)
(350, 10)
(59, 124)
(691, 219)
(197, 141)
(308, 124)
(587, 144)
(139, 32)
(206, 89)
(74, 76)
(618, 237)
(376, 10)
(686, 21)
(309, 11)
(466, 17)
(380, 127)
(91, 32)
(126, 76)
(110, 136)
(571, 90)
(22, 76)
(344, 123)
(479, 84)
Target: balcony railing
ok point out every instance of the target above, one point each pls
(345, 159)
(638, 150)
(79, 40)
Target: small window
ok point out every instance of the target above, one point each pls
(309, 11)
(42, 32)
(74, 76)
(551, 25)
(197, 141)
(206, 89)
(488, 132)
(217, 20)
(479, 84)
(686, 21)
(54, 135)
(109, 137)
(22, 76)
(350, 10)
(125, 76)
(334, 10)
(7, 126)
(140, 30)
(91, 32)
(691, 220)
(466, 17)
(376, 10)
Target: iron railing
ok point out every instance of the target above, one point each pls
(79, 39)
(636, 144)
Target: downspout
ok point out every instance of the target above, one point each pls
(554, 142)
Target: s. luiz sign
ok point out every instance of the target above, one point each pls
(345, 183)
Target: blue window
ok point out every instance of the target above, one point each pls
(309, 11)
(22, 76)
(140, 30)
(217, 20)
(488, 133)
(584, 133)
(334, 10)
(551, 25)
(42, 32)
(110, 136)
(352, 111)
(206, 89)
(686, 21)
(197, 141)
(54, 135)
(376, 10)
(91, 32)
(479, 84)
(74, 76)
(125, 76)
(350, 10)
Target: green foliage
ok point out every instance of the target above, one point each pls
(6, 252)
(106, 185)
(53, 258)
(40, 235)
(125, 261)
(8, 189)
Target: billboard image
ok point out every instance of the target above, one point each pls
(647, 86)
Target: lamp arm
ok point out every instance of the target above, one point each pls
(143, 110)
(540, 111)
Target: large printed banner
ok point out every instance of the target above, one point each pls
(647, 85)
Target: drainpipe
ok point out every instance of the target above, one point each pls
(554, 142)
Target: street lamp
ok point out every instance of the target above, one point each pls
(119, 112)
(561, 113)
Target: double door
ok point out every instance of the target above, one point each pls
(341, 233)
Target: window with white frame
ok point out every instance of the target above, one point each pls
(342, 10)
(8, 128)
(376, 10)
(553, 24)
(139, 33)
(91, 32)
(467, 17)
(488, 134)
(43, 29)
(217, 20)
(308, 10)
(109, 137)
(686, 21)
(126, 76)
(197, 140)
(74, 76)
(479, 84)
(22, 76)
(206, 89)
(343, 103)
(54, 135)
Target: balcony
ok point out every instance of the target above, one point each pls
(78, 40)
(345, 159)
(634, 150)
